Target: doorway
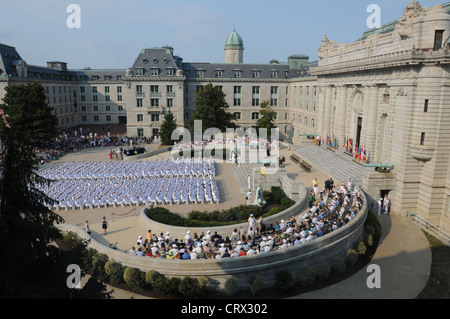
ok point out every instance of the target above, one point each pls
(358, 131)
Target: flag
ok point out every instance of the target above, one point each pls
(360, 153)
(4, 118)
(345, 143)
(355, 154)
(262, 172)
(364, 155)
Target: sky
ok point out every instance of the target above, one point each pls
(113, 32)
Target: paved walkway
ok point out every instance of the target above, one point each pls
(403, 256)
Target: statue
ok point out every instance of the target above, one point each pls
(259, 198)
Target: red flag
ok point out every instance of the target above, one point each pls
(4, 118)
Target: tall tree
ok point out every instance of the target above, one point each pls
(266, 118)
(27, 225)
(167, 127)
(212, 109)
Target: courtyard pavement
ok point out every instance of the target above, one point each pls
(403, 256)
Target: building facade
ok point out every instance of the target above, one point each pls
(388, 91)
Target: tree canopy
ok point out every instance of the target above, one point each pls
(266, 119)
(31, 266)
(212, 109)
(167, 127)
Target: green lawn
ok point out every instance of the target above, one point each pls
(438, 286)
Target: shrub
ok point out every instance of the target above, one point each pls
(152, 276)
(306, 276)
(278, 194)
(268, 197)
(203, 283)
(338, 265)
(172, 286)
(189, 288)
(369, 229)
(87, 257)
(286, 203)
(134, 278)
(231, 286)
(351, 257)
(323, 271)
(373, 221)
(114, 270)
(98, 263)
(284, 280)
(362, 249)
(369, 240)
(255, 284)
(160, 284)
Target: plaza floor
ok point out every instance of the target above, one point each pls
(404, 256)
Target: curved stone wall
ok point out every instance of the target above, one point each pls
(179, 232)
(267, 265)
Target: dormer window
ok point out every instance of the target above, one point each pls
(237, 73)
(200, 73)
(139, 71)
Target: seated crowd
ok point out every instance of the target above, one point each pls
(334, 209)
(102, 184)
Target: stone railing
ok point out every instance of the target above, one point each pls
(267, 265)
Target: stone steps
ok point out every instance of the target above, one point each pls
(339, 166)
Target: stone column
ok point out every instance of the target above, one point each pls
(327, 115)
(321, 109)
(341, 114)
(370, 120)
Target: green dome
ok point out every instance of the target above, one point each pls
(234, 41)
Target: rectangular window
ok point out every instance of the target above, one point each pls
(108, 108)
(273, 102)
(218, 73)
(169, 102)
(108, 118)
(200, 73)
(82, 90)
(84, 118)
(83, 108)
(140, 117)
(237, 74)
(138, 89)
(138, 102)
(438, 39)
(255, 115)
(94, 89)
(169, 72)
(119, 108)
(237, 90)
(274, 74)
(425, 108)
(154, 72)
(155, 117)
(95, 108)
(140, 132)
(422, 139)
(255, 101)
(255, 90)
(154, 89)
(138, 72)
(255, 74)
(95, 98)
(96, 118)
(169, 88)
(237, 102)
(237, 115)
(154, 102)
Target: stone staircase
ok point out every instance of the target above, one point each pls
(338, 165)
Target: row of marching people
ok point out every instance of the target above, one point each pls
(86, 193)
(134, 169)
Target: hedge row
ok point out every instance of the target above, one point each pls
(234, 215)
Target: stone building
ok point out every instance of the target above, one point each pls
(388, 91)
